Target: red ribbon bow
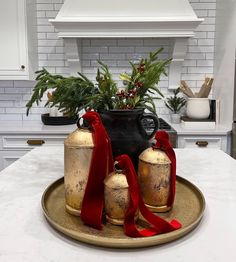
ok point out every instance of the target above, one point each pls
(159, 225)
(101, 164)
(162, 143)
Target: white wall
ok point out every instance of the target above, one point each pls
(225, 58)
(114, 52)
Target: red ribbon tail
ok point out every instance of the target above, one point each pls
(159, 224)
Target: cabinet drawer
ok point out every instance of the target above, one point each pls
(9, 157)
(14, 142)
(200, 142)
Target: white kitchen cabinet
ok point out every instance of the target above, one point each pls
(12, 147)
(205, 141)
(18, 45)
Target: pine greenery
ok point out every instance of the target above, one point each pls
(71, 94)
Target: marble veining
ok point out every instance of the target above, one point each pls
(25, 235)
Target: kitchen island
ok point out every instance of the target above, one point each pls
(26, 236)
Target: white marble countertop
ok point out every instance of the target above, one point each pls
(37, 127)
(33, 127)
(25, 235)
(219, 130)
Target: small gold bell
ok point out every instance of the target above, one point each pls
(117, 197)
(78, 149)
(155, 178)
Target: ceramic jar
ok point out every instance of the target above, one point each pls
(198, 108)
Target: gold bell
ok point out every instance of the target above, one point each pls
(155, 179)
(78, 149)
(117, 197)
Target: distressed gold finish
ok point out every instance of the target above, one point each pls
(188, 209)
(116, 195)
(78, 148)
(154, 179)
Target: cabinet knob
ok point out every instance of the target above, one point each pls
(35, 142)
(22, 67)
(202, 143)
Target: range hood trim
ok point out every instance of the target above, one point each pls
(174, 28)
(74, 23)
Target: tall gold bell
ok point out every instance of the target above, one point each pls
(78, 149)
(117, 197)
(155, 179)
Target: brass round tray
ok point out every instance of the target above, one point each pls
(188, 209)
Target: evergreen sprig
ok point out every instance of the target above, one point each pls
(70, 94)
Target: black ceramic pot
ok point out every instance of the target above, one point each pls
(126, 131)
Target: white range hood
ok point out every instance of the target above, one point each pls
(127, 18)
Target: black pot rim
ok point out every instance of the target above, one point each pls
(123, 111)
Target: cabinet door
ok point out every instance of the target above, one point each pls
(9, 157)
(13, 44)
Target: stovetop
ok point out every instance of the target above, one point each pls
(148, 125)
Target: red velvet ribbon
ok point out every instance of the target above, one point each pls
(101, 164)
(159, 225)
(163, 143)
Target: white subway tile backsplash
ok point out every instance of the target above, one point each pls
(211, 35)
(16, 90)
(209, 55)
(193, 76)
(130, 42)
(204, 6)
(115, 53)
(10, 97)
(201, 13)
(46, 6)
(202, 49)
(51, 36)
(32, 117)
(207, 62)
(208, 42)
(207, 70)
(199, 35)
(112, 56)
(23, 83)
(196, 56)
(204, 27)
(103, 42)
(45, 28)
(10, 117)
(42, 35)
(17, 110)
(50, 42)
(4, 104)
(51, 63)
(211, 13)
(121, 50)
(60, 49)
(46, 49)
(95, 49)
(41, 14)
(60, 57)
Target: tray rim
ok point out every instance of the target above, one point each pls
(130, 242)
